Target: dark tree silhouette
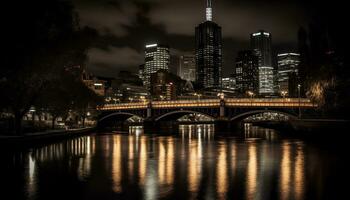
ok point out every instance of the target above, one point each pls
(324, 67)
(42, 38)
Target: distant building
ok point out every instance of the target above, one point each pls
(287, 66)
(208, 52)
(228, 83)
(125, 92)
(261, 46)
(93, 83)
(247, 72)
(141, 73)
(162, 86)
(187, 67)
(156, 57)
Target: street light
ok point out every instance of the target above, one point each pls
(284, 93)
(251, 94)
(143, 99)
(299, 114)
(221, 95)
(199, 96)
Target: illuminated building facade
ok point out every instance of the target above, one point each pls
(156, 57)
(228, 83)
(187, 67)
(261, 46)
(287, 66)
(247, 72)
(208, 52)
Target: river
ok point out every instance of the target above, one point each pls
(194, 164)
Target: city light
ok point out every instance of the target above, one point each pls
(221, 95)
(151, 45)
(284, 93)
(212, 103)
(250, 93)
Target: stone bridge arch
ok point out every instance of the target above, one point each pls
(122, 115)
(246, 114)
(174, 115)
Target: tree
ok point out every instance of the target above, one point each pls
(42, 38)
(324, 64)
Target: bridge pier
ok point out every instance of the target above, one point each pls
(222, 126)
(149, 126)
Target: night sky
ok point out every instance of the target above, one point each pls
(125, 26)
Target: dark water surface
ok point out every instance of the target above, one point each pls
(195, 164)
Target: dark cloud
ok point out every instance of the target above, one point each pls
(126, 26)
(111, 60)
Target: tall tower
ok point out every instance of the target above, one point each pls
(209, 11)
(261, 45)
(156, 57)
(208, 52)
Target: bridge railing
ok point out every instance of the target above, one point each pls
(123, 106)
(229, 102)
(275, 102)
(186, 103)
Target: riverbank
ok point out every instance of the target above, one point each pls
(31, 139)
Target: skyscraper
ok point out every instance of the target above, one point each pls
(187, 67)
(287, 66)
(261, 46)
(208, 52)
(156, 57)
(247, 72)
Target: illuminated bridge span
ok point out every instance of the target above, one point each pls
(228, 109)
(212, 103)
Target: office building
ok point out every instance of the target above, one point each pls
(287, 66)
(261, 46)
(228, 83)
(156, 57)
(208, 52)
(187, 67)
(247, 72)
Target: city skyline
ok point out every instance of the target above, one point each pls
(174, 99)
(160, 25)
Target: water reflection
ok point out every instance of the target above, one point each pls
(31, 188)
(201, 131)
(143, 161)
(285, 182)
(191, 165)
(194, 165)
(252, 171)
(117, 164)
(221, 171)
(299, 178)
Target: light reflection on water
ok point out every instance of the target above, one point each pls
(192, 165)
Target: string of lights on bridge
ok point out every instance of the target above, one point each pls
(210, 103)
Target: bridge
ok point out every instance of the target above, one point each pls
(227, 110)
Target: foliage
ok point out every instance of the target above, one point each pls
(42, 41)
